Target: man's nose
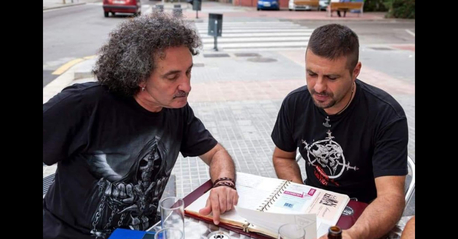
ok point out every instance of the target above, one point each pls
(320, 85)
(185, 85)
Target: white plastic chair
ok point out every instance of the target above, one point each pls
(410, 188)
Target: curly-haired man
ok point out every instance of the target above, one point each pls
(116, 140)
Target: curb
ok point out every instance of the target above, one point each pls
(79, 72)
(62, 6)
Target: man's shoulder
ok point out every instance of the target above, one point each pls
(83, 87)
(72, 94)
(87, 93)
(298, 92)
(375, 92)
(380, 99)
(297, 96)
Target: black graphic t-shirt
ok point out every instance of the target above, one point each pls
(114, 160)
(346, 152)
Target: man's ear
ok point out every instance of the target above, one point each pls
(357, 70)
(142, 84)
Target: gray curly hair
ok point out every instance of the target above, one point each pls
(129, 56)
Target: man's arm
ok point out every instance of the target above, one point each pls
(286, 166)
(409, 229)
(221, 198)
(382, 214)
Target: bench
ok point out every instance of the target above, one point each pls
(345, 6)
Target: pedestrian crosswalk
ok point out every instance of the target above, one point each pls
(259, 35)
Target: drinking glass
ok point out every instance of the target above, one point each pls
(172, 213)
(291, 231)
(169, 233)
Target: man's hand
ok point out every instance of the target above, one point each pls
(221, 199)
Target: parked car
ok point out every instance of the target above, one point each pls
(294, 5)
(122, 6)
(268, 5)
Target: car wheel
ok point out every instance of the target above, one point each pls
(105, 14)
(257, 9)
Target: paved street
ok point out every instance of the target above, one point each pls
(237, 90)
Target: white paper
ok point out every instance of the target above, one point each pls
(296, 199)
(273, 221)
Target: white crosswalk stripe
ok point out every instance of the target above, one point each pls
(259, 35)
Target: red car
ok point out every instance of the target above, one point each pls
(122, 6)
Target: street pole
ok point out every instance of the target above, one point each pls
(215, 41)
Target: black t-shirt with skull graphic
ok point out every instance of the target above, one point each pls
(114, 160)
(346, 152)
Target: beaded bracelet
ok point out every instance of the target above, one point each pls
(224, 179)
(227, 184)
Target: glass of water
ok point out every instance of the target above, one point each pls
(291, 231)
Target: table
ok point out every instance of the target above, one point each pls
(196, 228)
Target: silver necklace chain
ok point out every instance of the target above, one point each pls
(351, 97)
(326, 123)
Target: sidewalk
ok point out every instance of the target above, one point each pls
(53, 4)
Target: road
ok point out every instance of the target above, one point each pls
(75, 32)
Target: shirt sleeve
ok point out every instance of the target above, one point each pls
(63, 127)
(197, 139)
(282, 132)
(390, 154)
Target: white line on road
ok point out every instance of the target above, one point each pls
(260, 45)
(255, 39)
(225, 30)
(410, 32)
(262, 34)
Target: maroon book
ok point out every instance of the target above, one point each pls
(351, 213)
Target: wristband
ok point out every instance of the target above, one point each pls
(227, 184)
(223, 179)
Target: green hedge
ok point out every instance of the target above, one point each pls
(394, 8)
(400, 8)
(375, 6)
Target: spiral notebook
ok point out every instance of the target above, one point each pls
(265, 203)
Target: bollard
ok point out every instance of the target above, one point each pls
(158, 8)
(215, 27)
(196, 5)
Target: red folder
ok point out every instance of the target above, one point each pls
(348, 218)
